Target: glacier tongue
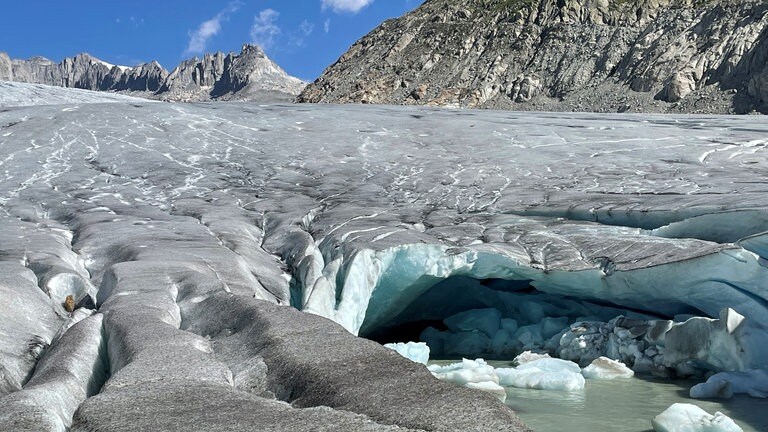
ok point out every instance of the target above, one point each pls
(577, 234)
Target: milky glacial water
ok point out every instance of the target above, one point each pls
(625, 405)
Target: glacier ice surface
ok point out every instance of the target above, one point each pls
(161, 205)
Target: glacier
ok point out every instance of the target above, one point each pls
(195, 233)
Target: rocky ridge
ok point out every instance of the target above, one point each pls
(585, 55)
(245, 76)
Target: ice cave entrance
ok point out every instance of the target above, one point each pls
(498, 319)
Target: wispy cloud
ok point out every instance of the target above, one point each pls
(264, 29)
(306, 27)
(198, 39)
(352, 6)
(298, 36)
(327, 25)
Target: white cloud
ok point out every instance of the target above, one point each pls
(327, 25)
(353, 6)
(198, 39)
(264, 29)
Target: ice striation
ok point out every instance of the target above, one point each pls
(191, 229)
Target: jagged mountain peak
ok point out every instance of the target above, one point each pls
(229, 76)
(244, 76)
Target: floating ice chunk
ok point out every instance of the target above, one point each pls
(543, 374)
(487, 321)
(415, 351)
(475, 374)
(681, 417)
(725, 384)
(468, 371)
(490, 387)
(528, 356)
(717, 389)
(605, 368)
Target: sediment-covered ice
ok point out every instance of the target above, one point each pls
(605, 368)
(528, 356)
(681, 417)
(414, 351)
(72, 369)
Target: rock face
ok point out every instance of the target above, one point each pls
(596, 55)
(230, 77)
(245, 76)
(84, 71)
(6, 70)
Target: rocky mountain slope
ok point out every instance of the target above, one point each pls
(596, 55)
(245, 76)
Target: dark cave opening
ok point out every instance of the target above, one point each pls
(497, 318)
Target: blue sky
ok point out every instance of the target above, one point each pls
(302, 36)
